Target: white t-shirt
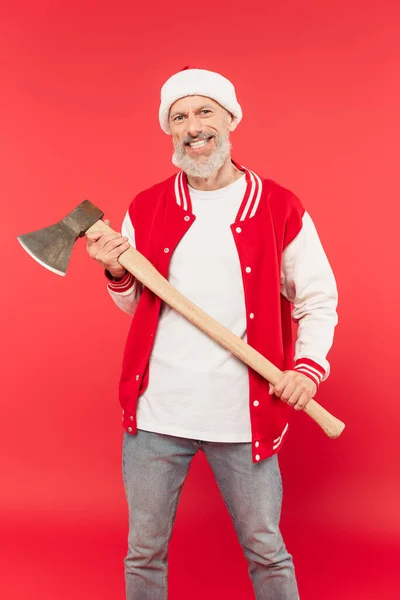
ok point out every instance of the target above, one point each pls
(196, 388)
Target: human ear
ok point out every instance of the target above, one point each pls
(233, 123)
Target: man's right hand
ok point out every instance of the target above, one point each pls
(105, 248)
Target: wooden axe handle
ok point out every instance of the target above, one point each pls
(146, 273)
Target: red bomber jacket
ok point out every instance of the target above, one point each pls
(269, 219)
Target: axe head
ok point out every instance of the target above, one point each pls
(52, 246)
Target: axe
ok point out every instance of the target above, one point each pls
(52, 247)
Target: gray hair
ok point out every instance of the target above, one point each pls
(202, 168)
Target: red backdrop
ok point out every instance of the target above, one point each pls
(80, 85)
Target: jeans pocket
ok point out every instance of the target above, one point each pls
(124, 478)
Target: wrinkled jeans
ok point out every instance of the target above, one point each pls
(155, 467)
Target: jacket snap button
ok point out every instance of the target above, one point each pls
(251, 315)
(238, 230)
(248, 269)
(256, 403)
(257, 444)
(187, 218)
(257, 457)
(137, 377)
(166, 250)
(130, 429)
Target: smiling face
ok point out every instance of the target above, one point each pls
(200, 130)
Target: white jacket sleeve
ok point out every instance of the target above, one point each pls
(126, 292)
(308, 282)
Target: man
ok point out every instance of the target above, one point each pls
(244, 249)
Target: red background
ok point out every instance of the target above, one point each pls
(80, 86)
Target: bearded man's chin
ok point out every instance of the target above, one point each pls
(203, 166)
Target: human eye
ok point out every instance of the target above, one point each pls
(205, 111)
(177, 118)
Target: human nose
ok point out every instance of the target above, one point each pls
(194, 125)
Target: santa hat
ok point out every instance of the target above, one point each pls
(197, 82)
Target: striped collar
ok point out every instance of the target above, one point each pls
(251, 198)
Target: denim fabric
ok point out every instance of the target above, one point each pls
(155, 467)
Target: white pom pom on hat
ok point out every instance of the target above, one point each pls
(197, 82)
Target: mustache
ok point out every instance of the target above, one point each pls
(201, 136)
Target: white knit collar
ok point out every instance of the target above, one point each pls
(250, 203)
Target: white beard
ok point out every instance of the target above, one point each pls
(200, 167)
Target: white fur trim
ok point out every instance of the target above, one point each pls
(193, 82)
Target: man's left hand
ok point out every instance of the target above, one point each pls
(294, 388)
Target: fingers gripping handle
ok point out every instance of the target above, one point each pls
(146, 273)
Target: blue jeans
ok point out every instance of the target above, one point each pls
(155, 467)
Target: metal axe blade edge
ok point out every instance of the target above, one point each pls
(38, 260)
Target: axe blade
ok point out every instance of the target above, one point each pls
(52, 246)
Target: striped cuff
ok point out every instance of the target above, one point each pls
(310, 368)
(123, 285)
